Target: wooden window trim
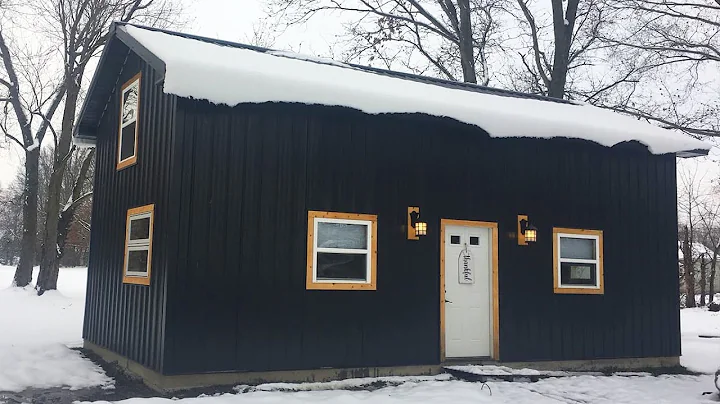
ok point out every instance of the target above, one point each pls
(310, 284)
(600, 289)
(134, 279)
(121, 164)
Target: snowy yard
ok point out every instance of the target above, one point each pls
(35, 333)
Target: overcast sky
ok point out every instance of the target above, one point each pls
(235, 20)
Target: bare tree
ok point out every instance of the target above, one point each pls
(41, 104)
(709, 215)
(690, 198)
(553, 76)
(703, 278)
(688, 266)
(81, 26)
(11, 199)
(682, 39)
(451, 37)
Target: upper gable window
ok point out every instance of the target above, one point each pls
(128, 132)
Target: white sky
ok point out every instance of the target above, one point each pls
(234, 20)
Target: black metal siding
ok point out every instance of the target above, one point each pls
(249, 175)
(130, 319)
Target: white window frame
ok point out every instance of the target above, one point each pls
(133, 82)
(370, 222)
(595, 235)
(142, 212)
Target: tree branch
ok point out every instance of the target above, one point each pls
(536, 45)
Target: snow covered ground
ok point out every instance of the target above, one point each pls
(35, 333)
(700, 354)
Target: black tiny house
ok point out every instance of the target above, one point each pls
(259, 213)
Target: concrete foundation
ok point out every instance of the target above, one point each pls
(594, 365)
(166, 383)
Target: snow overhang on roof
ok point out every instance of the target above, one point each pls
(228, 73)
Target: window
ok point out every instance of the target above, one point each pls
(342, 251)
(578, 261)
(128, 132)
(138, 245)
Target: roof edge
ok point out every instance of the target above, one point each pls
(154, 61)
(117, 30)
(686, 154)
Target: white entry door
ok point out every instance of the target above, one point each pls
(468, 292)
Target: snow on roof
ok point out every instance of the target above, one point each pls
(232, 75)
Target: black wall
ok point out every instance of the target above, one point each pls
(130, 319)
(249, 174)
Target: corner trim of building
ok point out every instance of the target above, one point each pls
(167, 383)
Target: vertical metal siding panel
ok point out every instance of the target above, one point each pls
(179, 280)
(224, 317)
(235, 242)
(232, 243)
(298, 179)
(637, 241)
(654, 228)
(626, 306)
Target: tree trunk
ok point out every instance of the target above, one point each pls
(67, 214)
(703, 279)
(712, 276)
(23, 272)
(50, 258)
(467, 57)
(689, 270)
(563, 39)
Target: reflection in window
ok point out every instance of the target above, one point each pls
(129, 109)
(342, 235)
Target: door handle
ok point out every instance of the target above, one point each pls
(447, 301)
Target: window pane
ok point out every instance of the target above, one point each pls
(332, 266)
(137, 261)
(127, 141)
(342, 235)
(140, 228)
(474, 240)
(578, 274)
(454, 239)
(581, 248)
(130, 103)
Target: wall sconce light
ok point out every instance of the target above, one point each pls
(416, 228)
(527, 233)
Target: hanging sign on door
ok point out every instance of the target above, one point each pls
(466, 270)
